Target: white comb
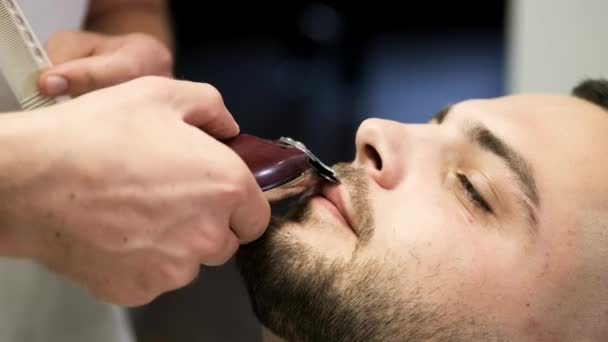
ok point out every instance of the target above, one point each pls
(22, 60)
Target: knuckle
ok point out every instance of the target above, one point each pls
(214, 245)
(212, 92)
(239, 182)
(210, 102)
(82, 82)
(89, 80)
(213, 97)
(254, 230)
(151, 85)
(187, 275)
(165, 63)
(163, 58)
(132, 69)
(175, 275)
(182, 277)
(170, 277)
(233, 193)
(260, 221)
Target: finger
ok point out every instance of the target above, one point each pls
(216, 252)
(83, 75)
(69, 45)
(200, 105)
(197, 104)
(252, 215)
(209, 112)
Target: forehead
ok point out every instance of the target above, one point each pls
(552, 111)
(574, 124)
(564, 138)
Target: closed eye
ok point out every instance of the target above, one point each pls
(473, 195)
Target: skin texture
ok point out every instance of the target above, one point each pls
(122, 40)
(427, 262)
(127, 190)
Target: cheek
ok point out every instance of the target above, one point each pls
(424, 236)
(437, 248)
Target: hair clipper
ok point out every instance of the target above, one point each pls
(283, 167)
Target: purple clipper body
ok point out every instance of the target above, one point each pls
(282, 167)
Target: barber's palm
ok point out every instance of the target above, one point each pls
(85, 61)
(149, 197)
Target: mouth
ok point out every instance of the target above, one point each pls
(332, 194)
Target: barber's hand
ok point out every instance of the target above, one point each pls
(129, 198)
(85, 61)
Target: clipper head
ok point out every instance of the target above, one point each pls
(324, 170)
(283, 167)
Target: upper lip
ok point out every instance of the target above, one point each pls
(333, 194)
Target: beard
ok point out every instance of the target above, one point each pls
(301, 295)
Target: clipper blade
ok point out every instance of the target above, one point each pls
(325, 171)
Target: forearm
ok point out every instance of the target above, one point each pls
(129, 16)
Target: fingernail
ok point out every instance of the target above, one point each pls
(56, 85)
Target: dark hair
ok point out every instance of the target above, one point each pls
(594, 91)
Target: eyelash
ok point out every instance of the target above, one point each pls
(473, 194)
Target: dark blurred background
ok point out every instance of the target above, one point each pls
(313, 71)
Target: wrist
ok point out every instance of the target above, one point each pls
(22, 159)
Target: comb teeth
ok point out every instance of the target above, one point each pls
(21, 61)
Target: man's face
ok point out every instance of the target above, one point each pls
(468, 228)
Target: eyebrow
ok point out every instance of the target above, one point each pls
(481, 136)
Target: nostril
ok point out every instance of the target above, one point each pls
(374, 156)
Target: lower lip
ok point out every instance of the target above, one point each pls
(332, 208)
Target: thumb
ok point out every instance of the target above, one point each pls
(83, 75)
(203, 107)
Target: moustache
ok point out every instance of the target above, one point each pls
(356, 184)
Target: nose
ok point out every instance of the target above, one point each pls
(379, 150)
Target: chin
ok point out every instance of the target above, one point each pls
(300, 294)
(320, 239)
